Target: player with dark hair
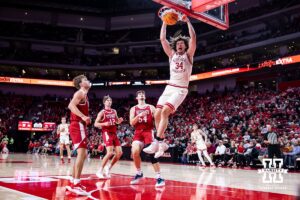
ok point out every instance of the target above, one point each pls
(141, 117)
(180, 51)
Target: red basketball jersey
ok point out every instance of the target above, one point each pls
(84, 109)
(146, 122)
(110, 116)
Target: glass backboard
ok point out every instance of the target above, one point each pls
(216, 15)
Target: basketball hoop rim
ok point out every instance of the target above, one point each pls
(160, 12)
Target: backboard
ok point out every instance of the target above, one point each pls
(211, 12)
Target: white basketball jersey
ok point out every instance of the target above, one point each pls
(198, 137)
(63, 129)
(180, 70)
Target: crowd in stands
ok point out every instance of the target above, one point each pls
(234, 121)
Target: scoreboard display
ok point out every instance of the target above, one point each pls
(36, 126)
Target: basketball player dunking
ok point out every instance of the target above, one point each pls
(79, 107)
(180, 51)
(63, 132)
(197, 137)
(141, 117)
(107, 119)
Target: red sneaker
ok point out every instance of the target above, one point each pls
(62, 161)
(69, 160)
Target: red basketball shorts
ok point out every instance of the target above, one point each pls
(78, 133)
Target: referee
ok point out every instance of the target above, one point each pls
(271, 139)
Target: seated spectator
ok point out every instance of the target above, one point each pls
(45, 148)
(219, 157)
(251, 154)
(240, 157)
(230, 157)
(246, 137)
(211, 149)
(187, 153)
(37, 147)
(290, 157)
(30, 147)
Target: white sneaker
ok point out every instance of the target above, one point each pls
(161, 149)
(100, 175)
(106, 172)
(153, 148)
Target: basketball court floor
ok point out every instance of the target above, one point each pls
(27, 176)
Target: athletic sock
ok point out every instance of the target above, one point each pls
(139, 172)
(158, 175)
(76, 181)
(101, 169)
(72, 179)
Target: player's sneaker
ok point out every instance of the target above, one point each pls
(202, 166)
(106, 172)
(160, 182)
(153, 148)
(161, 149)
(136, 179)
(62, 161)
(69, 160)
(77, 189)
(100, 175)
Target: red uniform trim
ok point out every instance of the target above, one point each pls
(170, 105)
(177, 86)
(159, 106)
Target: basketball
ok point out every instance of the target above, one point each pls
(170, 18)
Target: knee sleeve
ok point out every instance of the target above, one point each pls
(152, 159)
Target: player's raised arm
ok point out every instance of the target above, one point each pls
(163, 39)
(192, 43)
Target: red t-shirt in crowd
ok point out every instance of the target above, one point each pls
(240, 149)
